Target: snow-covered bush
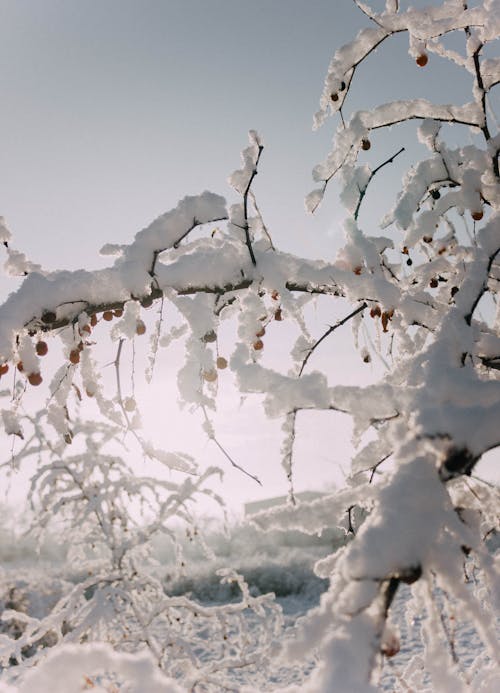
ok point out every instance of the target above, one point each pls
(423, 299)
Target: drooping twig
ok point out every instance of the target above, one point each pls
(235, 464)
(331, 329)
(156, 338)
(210, 432)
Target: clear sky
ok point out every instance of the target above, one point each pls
(112, 110)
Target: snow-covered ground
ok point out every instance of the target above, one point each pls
(281, 563)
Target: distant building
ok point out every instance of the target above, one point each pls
(266, 503)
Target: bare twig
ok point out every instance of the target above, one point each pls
(246, 227)
(377, 465)
(211, 435)
(368, 14)
(176, 243)
(264, 227)
(350, 527)
(362, 193)
(331, 329)
(235, 464)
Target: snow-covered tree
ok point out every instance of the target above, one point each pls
(423, 298)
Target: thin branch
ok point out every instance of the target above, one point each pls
(235, 464)
(245, 207)
(211, 435)
(350, 527)
(377, 465)
(484, 287)
(175, 244)
(362, 193)
(331, 329)
(491, 362)
(367, 14)
(264, 227)
(156, 337)
(389, 593)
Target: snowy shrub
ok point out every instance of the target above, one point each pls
(422, 299)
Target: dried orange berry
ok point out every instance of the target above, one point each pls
(74, 356)
(140, 327)
(258, 345)
(209, 337)
(107, 315)
(221, 362)
(35, 379)
(422, 60)
(210, 376)
(41, 348)
(4, 368)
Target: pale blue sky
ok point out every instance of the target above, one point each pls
(114, 109)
